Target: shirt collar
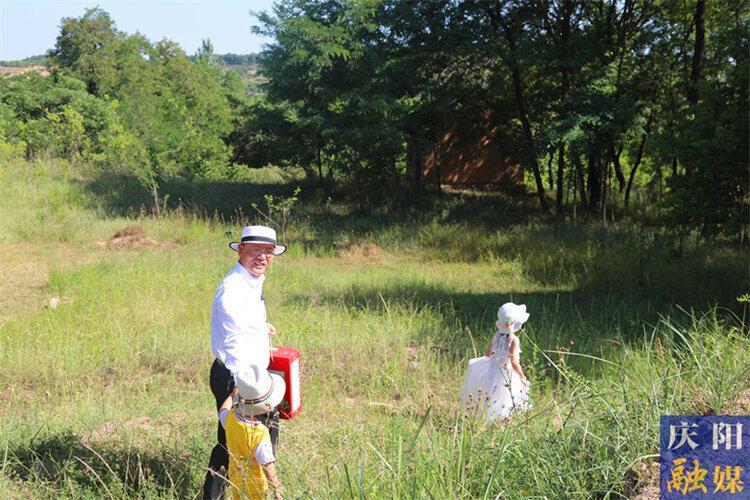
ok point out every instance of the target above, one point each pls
(239, 417)
(240, 269)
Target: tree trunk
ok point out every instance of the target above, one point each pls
(550, 177)
(240, 149)
(436, 153)
(700, 42)
(331, 179)
(605, 188)
(528, 135)
(494, 11)
(618, 167)
(638, 158)
(560, 170)
(594, 182)
(414, 160)
(157, 203)
(320, 166)
(567, 12)
(580, 179)
(575, 190)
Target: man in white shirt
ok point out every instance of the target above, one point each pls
(240, 335)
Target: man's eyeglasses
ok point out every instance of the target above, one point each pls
(256, 250)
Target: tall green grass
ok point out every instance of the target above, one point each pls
(107, 395)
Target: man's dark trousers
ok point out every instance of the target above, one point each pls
(222, 384)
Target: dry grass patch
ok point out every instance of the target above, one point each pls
(24, 274)
(359, 253)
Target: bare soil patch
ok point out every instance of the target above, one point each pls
(643, 484)
(6, 71)
(133, 237)
(740, 405)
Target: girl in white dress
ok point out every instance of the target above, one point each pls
(495, 385)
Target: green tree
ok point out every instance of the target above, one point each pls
(55, 118)
(712, 132)
(85, 48)
(176, 112)
(70, 131)
(323, 64)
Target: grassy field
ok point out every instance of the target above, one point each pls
(105, 352)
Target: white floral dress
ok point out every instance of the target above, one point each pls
(492, 389)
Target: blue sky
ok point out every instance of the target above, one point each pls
(30, 27)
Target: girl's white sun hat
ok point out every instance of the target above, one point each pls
(259, 391)
(511, 317)
(259, 234)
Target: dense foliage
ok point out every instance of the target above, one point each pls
(596, 90)
(124, 102)
(604, 100)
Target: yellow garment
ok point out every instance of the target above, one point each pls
(246, 476)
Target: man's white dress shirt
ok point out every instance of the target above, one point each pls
(239, 333)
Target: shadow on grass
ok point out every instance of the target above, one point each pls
(64, 464)
(122, 195)
(626, 262)
(458, 324)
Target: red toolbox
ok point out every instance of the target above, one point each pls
(285, 362)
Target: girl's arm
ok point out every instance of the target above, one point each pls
(273, 479)
(224, 411)
(515, 360)
(227, 404)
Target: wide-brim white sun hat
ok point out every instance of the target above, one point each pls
(260, 391)
(511, 314)
(259, 234)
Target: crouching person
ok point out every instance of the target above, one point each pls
(252, 464)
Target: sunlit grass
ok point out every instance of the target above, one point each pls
(106, 394)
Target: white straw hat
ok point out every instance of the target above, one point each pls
(259, 391)
(259, 234)
(511, 317)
